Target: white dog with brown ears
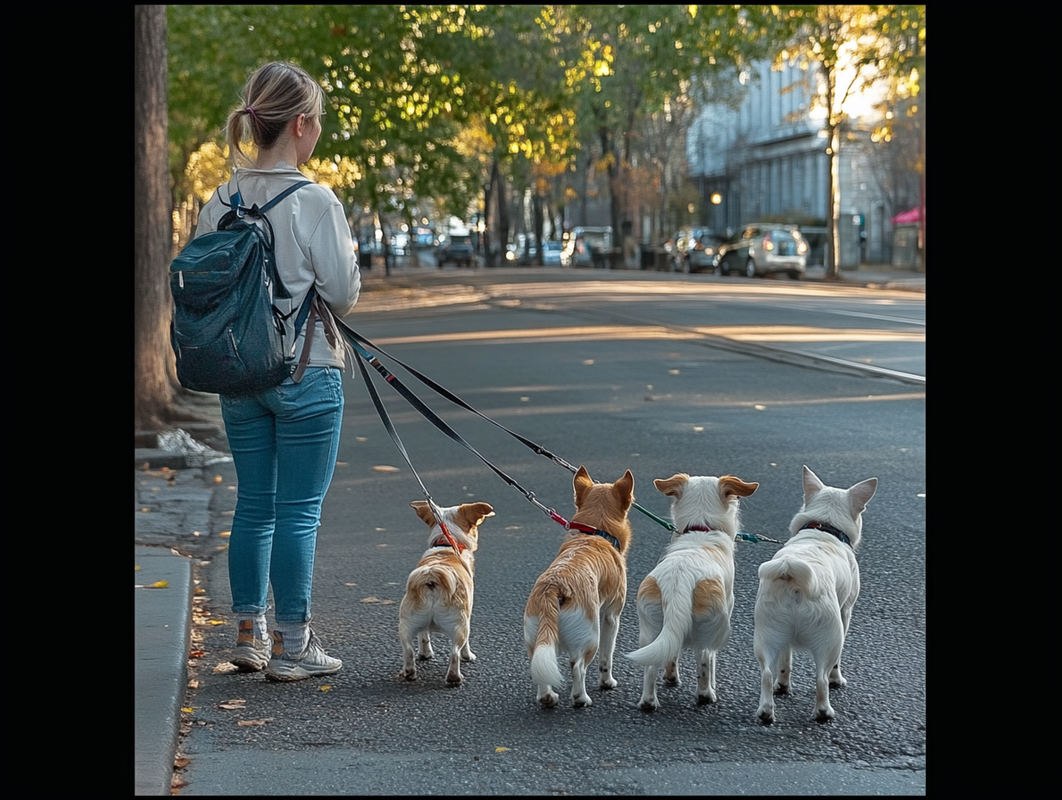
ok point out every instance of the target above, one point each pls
(807, 592)
(687, 600)
(575, 605)
(439, 591)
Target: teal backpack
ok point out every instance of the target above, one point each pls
(227, 333)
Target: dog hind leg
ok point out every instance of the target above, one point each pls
(426, 652)
(706, 677)
(609, 632)
(767, 659)
(580, 699)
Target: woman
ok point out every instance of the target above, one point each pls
(284, 440)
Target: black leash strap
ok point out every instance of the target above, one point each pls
(428, 414)
(357, 339)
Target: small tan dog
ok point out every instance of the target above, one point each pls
(687, 600)
(807, 592)
(439, 591)
(575, 605)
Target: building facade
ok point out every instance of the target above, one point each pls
(766, 160)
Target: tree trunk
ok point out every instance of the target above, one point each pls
(153, 367)
(833, 205)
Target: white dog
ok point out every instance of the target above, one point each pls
(439, 590)
(807, 592)
(687, 599)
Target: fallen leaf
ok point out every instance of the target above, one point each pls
(370, 600)
(501, 749)
(200, 590)
(525, 399)
(243, 723)
(384, 468)
(350, 584)
(326, 688)
(145, 510)
(136, 567)
(225, 534)
(182, 762)
(360, 439)
(197, 654)
(758, 407)
(672, 372)
(193, 684)
(233, 705)
(155, 585)
(588, 361)
(188, 710)
(218, 622)
(217, 479)
(178, 783)
(228, 666)
(698, 429)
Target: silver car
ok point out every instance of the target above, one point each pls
(764, 248)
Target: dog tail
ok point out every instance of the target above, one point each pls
(544, 670)
(425, 580)
(676, 600)
(792, 570)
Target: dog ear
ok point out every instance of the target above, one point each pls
(472, 514)
(731, 486)
(812, 484)
(860, 494)
(673, 486)
(582, 483)
(424, 511)
(624, 489)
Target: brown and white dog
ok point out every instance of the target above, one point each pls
(575, 605)
(687, 600)
(807, 592)
(439, 591)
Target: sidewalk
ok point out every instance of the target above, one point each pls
(182, 493)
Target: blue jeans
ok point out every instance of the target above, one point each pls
(284, 443)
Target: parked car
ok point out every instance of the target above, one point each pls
(551, 253)
(583, 242)
(763, 248)
(693, 249)
(457, 249)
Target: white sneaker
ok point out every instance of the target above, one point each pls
(251, 653)
(312, 661)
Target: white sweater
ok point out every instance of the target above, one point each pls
(313, 245)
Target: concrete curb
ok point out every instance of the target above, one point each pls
(160, 664)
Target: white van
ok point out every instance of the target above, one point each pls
(582, 243)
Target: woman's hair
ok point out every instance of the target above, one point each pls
(274, 95)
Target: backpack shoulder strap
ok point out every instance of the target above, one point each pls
(281, 196)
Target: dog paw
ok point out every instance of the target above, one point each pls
(470, 656)
(583, 701)
(781, 689)
(454, 680)
(548, 700)
(608, 682)
(837, 680)
(408, 674)
(425, 656)
(824, 714)
(766, 716)
(705, 699)
(649, 705)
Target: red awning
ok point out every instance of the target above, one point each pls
(907, 216)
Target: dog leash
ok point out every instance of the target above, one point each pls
(357, 341)
(432, 417)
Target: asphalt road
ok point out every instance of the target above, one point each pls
(590, 383)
